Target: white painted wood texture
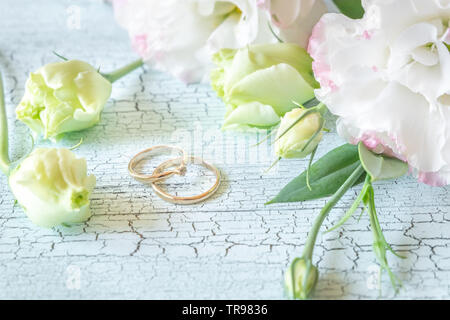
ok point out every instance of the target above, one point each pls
(230, 247)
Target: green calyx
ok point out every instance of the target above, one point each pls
(301, 278)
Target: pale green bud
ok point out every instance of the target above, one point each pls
(53, 188)
(299, 141)
(259, 83)
(62, 97)
(300, 278)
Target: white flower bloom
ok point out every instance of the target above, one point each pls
(180, 36)
(295, 18)
(387, 77)
(53, 187)
(62, 97)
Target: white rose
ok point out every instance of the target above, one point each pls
(180, 36)
(387, 77)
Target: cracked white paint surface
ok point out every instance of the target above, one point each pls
(230, 247)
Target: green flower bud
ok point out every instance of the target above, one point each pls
(259, 83)
(62, 97)
(300, 140)
(53, 187)
(300, 278)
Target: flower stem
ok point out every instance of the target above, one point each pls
(380, 245)
(119, 73)
(312, 236)
(321, 108)
(4, 155)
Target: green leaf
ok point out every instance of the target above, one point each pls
(447, 45)
(380, 167)
(351, 8)
(325, 176)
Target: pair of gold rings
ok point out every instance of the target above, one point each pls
(163, 172)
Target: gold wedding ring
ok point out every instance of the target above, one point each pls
(180, 169)
(187, 199)
(161, 172)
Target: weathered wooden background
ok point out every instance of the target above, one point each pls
(230, 247)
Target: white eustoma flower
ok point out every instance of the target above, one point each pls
(53, 188)
(387, 77)
(180, 36)
(261, 82)
(63, 97)
(295, 18)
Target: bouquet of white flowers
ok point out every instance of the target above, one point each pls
(382, 67)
